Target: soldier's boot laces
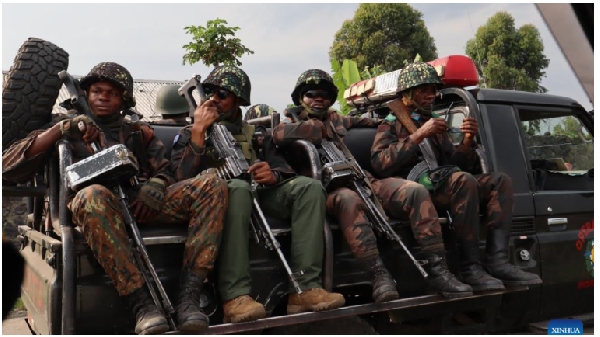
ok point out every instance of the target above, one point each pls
(441, 280)
(316, 299)
(189, 315)
(148, 319)
(384, 286)
(496, 252)
(242, 309)
(471, 270)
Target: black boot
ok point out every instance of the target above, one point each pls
(384, 286)
(471, 270)
(441, 279)
(496, 259)
(148, 319)
(189, 315)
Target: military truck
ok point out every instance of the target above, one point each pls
(543, 142)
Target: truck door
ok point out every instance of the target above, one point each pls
(559, 146)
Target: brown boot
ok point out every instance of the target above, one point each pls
(317, 299)
(242, 309)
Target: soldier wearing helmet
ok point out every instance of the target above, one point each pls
(259, 110)
(96, 209)
(172, 107)
(282, 195)
(314, 120)
(396, 152)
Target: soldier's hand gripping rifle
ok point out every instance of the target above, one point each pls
(235, 166)
(112, 167)
(341, 169)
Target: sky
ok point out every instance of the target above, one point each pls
(286, 38)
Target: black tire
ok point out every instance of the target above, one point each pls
(30, 89)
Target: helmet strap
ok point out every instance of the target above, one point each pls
(320, 114)
(407, 98)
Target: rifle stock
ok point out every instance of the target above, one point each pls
(187, 89)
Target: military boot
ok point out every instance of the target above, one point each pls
(384, 286)
(316, 299)
(148, 319)
(242, 309)
(496, 259)
(189, 315)
(441, 279)
(471, 270)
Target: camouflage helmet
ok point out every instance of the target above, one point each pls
(233, 79)
(314, 79)
(416, 74)
(168, 101)
(258, 110)
(114, 73)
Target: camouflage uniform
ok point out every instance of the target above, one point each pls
(297, 199)
(259, 110)
(400, 198)
(199, 201)
(393, 153)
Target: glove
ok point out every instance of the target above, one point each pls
(152, 193)
(70, 127)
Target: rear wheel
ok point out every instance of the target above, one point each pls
(30, 89)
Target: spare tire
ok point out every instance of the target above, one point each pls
(30, 89)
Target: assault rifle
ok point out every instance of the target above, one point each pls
(341, 169)
(111, 166)
(235, 166)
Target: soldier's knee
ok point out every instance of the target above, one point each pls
(237, 185)
(465, 180)
(308, 186)
(415, 191)
(348, 198)
(211, 182)
(503, 181)
(92, 195)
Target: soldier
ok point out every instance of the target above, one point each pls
(313, 120)
(198, 201)
(258, 110)
(171, 106)
(284, 195)
(395, 152)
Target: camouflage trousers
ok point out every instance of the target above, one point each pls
(400, 199)
(463, 195)
(200, 201)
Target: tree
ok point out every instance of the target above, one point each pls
(509, 58)
(383, 35)
(212, 46)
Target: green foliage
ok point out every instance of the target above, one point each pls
(343, 76)
(213, 46)
(371, 72)
(383, 35)
(571, 126)
(510, 58)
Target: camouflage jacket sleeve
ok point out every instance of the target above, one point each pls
(289, 131)
(157, 162)
(186, 160)
(356, 122)
(17, 168)
(393, 153)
